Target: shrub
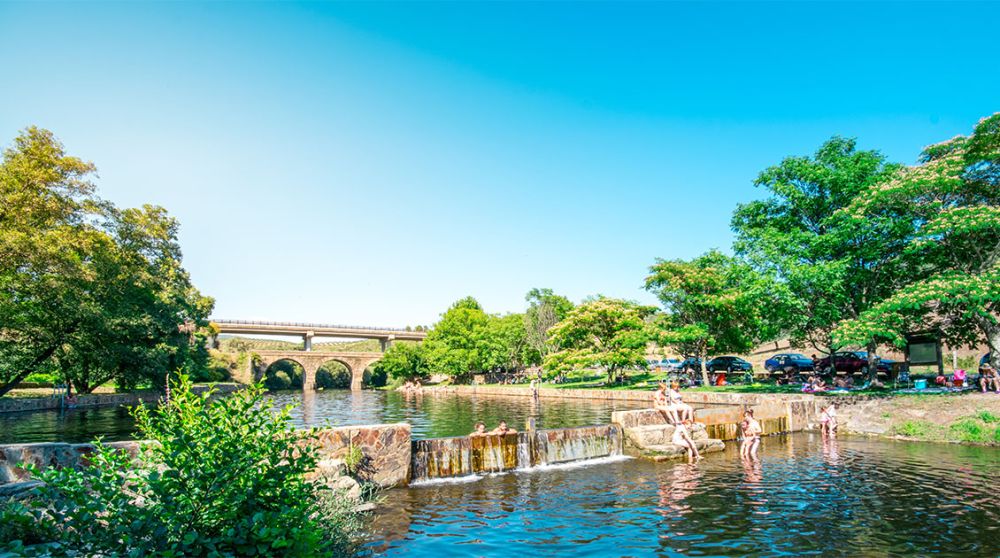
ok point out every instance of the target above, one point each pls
(42, 378)
(914, 428)
(278, 381)
(969, 430)
(987, 417)
(225, 476)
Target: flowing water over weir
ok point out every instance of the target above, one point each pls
(439, 458)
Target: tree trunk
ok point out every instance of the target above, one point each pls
(993, 341)
(872, 363)
(5, 388)
(703, 356)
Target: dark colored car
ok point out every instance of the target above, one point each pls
(691, 363)
(852, 362)
(785, 361)
(728, 364)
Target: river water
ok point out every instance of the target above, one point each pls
(431, 415)
(805, 496)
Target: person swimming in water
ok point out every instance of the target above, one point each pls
(502, 428)
(479, 429)
(751, 435)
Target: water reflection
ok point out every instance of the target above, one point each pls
(803, 496)
(431, 414)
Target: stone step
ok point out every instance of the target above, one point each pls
(660, 434)
(667, 452)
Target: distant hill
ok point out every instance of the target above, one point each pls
(236, 343)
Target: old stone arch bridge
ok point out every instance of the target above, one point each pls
(311, 361)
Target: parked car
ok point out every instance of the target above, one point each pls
(785, 361)
(691, 363)
(852, 362)
(672, 364)
(728, 364)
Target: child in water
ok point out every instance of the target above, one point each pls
(828, 420)
(502, 428)
(751, 435)
(479, 429)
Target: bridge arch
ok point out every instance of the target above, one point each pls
(311, 361)
(334, 373)
(283, 373)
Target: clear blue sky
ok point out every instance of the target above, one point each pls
(371, 163)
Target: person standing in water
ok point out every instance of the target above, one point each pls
(534, 388)
(751, 435)
(502, 428)
(480, 429)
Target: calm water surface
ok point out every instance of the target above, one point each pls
(848, 497)
(432, 415)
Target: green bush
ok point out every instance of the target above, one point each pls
(987, 417)
(913, 428)
(969, 430)
(278, 381)
(225, 477)
(42, 378)
(337, 379)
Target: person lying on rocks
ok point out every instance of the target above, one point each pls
(479, 429)
(682, 437)
(661, 402)
(502, 428)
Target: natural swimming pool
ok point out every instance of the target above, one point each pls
(806, 496)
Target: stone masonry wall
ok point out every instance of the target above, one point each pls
(21, 404)
(386, 449)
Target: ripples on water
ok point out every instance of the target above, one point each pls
(852, 497)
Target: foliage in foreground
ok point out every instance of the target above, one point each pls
(226, 476)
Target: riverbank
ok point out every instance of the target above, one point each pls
(46, 403)
(968, 418)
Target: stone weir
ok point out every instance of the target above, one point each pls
(460, 456)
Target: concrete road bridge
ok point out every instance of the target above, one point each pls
(308, 331)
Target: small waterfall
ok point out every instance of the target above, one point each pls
(574, 444)
(468, 455)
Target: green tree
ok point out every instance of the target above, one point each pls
(456, 345)
(545, 309)
(602, 332)
(712, 303)
(90, 290)
(835, 268)
(504, 343)
(952, 201)
(404, 360)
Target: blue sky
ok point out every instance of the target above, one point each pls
(370, 163)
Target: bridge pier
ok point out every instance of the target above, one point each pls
(385, 343)
(307, 340)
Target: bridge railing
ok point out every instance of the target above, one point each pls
(307, 324)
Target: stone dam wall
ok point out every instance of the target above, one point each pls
(469, 455)
(21, 404)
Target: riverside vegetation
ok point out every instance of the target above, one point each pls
(847, 250)
(222, 477)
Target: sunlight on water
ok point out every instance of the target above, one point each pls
(805, 497)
